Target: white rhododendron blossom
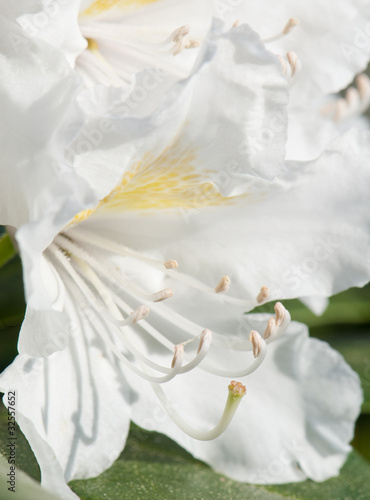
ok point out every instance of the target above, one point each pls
(146, 236)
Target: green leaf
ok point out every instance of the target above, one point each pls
(12, 304)
(12, 307)
(7, 250)
(354, 344)
(346, 308)
(25, 459)
(152, 466)
(353, 483)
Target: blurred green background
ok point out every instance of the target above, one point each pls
(152, 466)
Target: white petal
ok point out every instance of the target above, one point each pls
(295, 422)
(37, 87)
(73, 408)
(310, 129)
(57, 24)
(317, 305)
(332, 39)
(38, 184)
(237, 128)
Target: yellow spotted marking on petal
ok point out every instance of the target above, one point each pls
(171, 180)
(100, 6)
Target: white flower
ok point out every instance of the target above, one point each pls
(185, 210)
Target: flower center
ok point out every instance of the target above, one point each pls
(117, 49)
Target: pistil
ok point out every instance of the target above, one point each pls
(287, 29)
(236, 393)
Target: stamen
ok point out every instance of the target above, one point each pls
(74, 249)
(180, 40)
(175, 365)
(257, 341)
(162, 295)
(235, 395)
(287, 29)
(184, 44)
(113, 302)
(283, 63)
(293, 61)
(168, 314)
(223, 285)
(178, 356)
(178, 34)
(205, 338)
(277, 326)
(356, 101)
(291, 66)
(263, 295)
(280, 313)
(171, 264)
(290, 25)
(139, 314)
(236, 24)
(363, 85)
(259, 352)
(111, 246)
(203, 348)
(271, 324)
(192, 44)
